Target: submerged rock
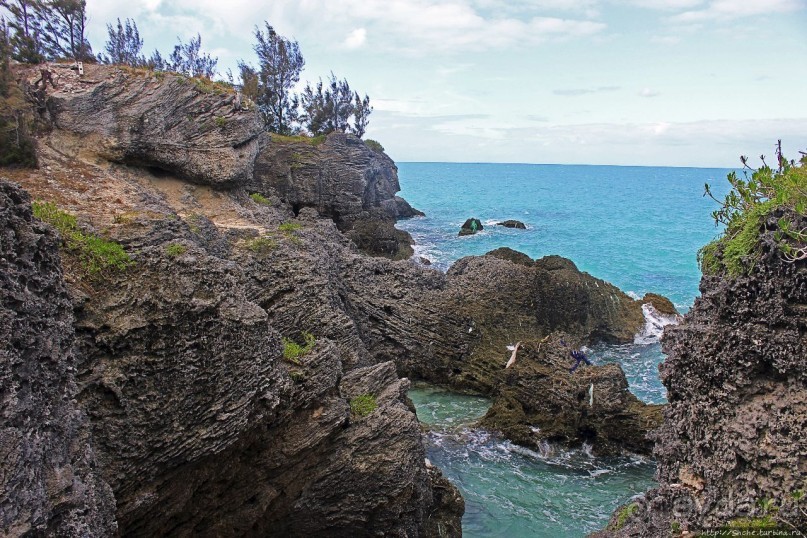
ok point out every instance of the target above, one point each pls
(471, 226)
(517, 224)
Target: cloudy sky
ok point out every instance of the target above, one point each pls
(629, 82)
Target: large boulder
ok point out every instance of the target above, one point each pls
(188, 127)
(49, 479)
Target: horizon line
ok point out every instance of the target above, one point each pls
(573, 164)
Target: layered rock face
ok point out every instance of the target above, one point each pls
(49, 480)
(191, 128)
(343, 179)
(734, 433)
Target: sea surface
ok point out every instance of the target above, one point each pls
(639, 228)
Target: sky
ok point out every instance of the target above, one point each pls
(626, 82)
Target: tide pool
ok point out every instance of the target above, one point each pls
(639, 228)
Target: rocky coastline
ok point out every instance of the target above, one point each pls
(165, 399)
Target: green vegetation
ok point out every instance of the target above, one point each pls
(746, 208)
(258, 198)
(297, 376)
(261, 245)
(292, 351)
(175, 249)
(95, 254)
(625, 514)
(374, 145)
(221, 121)
(363, 405)
(312, 140)
(194, 222)
(288, 227)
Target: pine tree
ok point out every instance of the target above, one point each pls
(189, 59)
(63, 29)
(279, 65)
(361, 113)
(24, 30)
(124, 45)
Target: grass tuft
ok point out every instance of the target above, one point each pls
(95, 254)
(363, 405)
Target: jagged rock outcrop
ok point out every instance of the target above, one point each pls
(191, 128)
(343, 179)
(49, 480)
(538, 400)
(734, 432)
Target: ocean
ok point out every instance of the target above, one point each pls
(639, 228)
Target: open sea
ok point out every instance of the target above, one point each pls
(639, 228)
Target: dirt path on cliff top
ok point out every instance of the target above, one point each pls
(112, 193)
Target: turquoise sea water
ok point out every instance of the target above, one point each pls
(637, 227)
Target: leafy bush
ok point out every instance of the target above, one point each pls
(175, 249)
(258, 198)
(374, 145)
(745, 209)
(363, 405)
(95, 254)
(292, 351)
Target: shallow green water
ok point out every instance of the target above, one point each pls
(516, 492)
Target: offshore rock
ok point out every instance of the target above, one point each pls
(516, 224)
(191, 128)
(734, 432)
(539, 401)
(343, 180)
(49, 479)
(470, 227)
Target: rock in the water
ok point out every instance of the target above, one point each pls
(734, 432)
(661, 304)
(49, 479)
(540, 400)
(471, 226)
(517, 224)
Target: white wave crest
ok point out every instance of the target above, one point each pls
(654, 323)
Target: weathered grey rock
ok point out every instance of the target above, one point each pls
(517, 224)
(188, 127)
(343, 180)
(734, 432)
(49, 481)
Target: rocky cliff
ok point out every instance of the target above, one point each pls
(50, 483)
(221, 372)
(733, 444)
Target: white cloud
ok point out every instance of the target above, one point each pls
(356, 38)
(647, 92)
(735, 9)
